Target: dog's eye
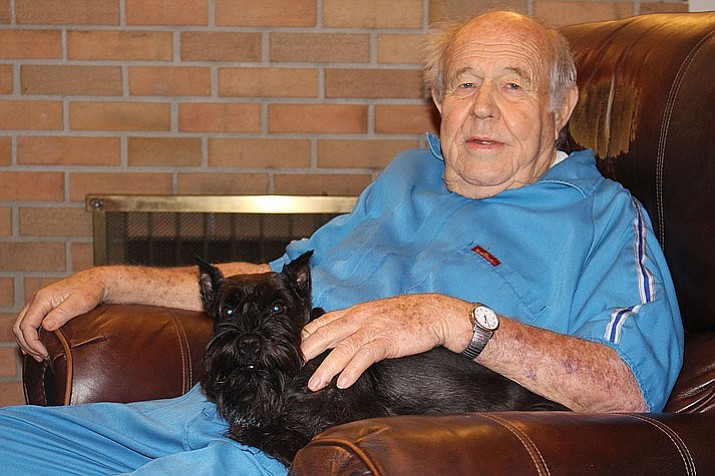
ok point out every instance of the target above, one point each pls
(277, 308)
(227, 311)
(229, 305)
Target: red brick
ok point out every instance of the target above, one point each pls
(362, 154)
(120, 45)
(557, 13)
(82, 256)
(265, 153)
(458, 10)
(120, 116)
(7, 294)
(221, 46)
(223, 183)
(6, 80)
(399, 49)
(373, 83)
(31, 186)
(286, 13)
(32, 256)
(406, 119)
(73, 12)
(55, 221)
(30, 115)
(5, 11)
(321, 184)
(161, 12)
(9, 364)
(169, 81)
(268, 82)
(5, 150)
(11, 394)
(30, 44)
(6, 322)
(164, 151)
(66, 150)
(71, 80)
(317, 118)
(662, 7)
(372, 13)
(219, 117)
(84, 183)
(5, 221)
(320, 47)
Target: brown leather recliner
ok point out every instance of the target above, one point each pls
(647, 107)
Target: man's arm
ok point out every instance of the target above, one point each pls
(579, 374)
(57, 303)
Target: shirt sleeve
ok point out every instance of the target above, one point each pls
(626, 300)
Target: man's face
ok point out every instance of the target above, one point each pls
(498, 131)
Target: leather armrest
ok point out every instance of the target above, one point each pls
(514, 443)
(119, 353)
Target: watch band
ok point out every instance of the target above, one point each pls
(480, 336)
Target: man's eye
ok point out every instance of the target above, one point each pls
(513, 86)
(466, 86)
(278, 308)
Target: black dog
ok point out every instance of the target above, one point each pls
(256, 374)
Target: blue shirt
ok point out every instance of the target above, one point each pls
(573, 252)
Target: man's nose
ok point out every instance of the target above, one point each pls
(485, 105)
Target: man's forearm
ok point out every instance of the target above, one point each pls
(168, 287)
(582, 375)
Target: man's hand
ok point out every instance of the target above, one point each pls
(54, 305)
(367, 333)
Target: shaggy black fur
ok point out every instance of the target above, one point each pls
(256, 374)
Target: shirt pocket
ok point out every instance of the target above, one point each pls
(467, 275)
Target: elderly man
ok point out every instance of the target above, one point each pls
(491, 243)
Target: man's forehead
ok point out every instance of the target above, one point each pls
(509, 52)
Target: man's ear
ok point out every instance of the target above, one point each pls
(435, 99)
(298, 271)
(210, 278)
(563, 114)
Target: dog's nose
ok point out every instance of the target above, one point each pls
(248, 344)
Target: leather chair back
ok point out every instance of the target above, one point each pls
(647, 108)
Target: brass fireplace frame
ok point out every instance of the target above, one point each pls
(100, 205)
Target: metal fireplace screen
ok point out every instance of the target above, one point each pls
(174, 230)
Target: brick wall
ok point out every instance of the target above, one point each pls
(203, 97)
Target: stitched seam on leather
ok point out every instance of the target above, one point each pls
(44, 390)
(670, 105)
(180, 336)
(69, 363)
(536, 457)
(675, 438)
(43, 393)
(349, 445)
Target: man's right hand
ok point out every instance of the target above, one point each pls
(52, 306)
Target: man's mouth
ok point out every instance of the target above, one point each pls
(482, 141)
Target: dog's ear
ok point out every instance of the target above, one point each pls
(210, 278)
(298, 271)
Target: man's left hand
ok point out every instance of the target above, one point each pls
(387, 328)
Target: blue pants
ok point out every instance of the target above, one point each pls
(178, 436)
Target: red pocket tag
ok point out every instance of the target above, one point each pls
(490, 258)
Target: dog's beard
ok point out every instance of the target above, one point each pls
(248, 387)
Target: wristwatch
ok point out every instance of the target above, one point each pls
(484, 321)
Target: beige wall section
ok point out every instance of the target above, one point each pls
(203, 96)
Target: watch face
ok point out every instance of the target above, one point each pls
(486, 318)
